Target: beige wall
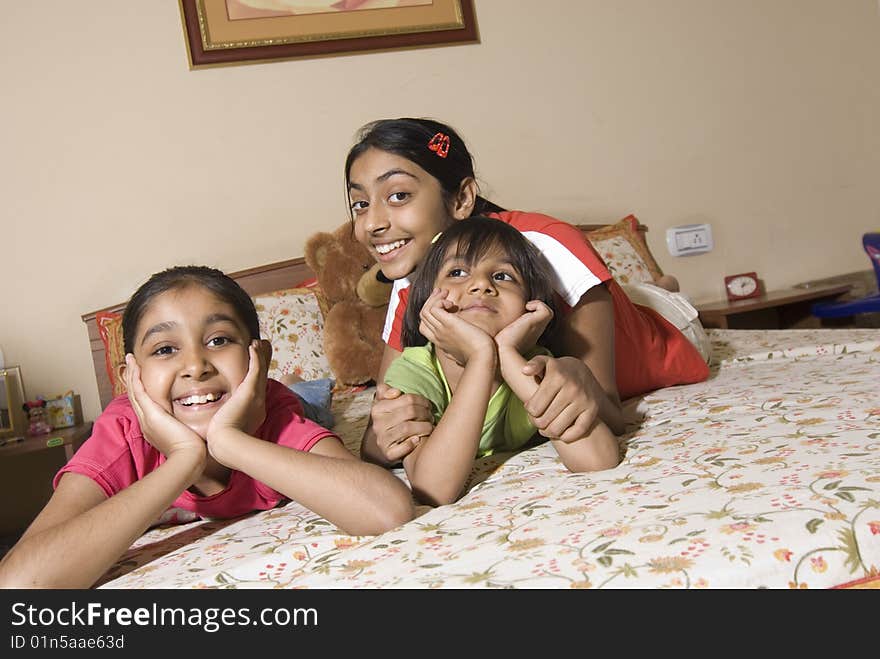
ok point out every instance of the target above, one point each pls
(761, 117)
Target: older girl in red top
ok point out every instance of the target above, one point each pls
(409, 179)
(202, 433)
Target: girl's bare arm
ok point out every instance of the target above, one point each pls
(80, 532)
(595, 451)
(439, 466)
(579, 387)
(358, 497)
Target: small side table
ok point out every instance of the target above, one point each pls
(782, 309)
(27, 468)
(71, 439)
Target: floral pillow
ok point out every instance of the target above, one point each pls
(625, 252)
(292, 320)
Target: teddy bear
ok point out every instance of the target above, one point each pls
(38, 417)
(356, 297)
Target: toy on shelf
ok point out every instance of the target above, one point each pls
(64, 411)
(38, 420)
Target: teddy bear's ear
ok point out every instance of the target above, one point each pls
(317, 248)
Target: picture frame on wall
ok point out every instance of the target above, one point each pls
(226, 32)
(13, 420)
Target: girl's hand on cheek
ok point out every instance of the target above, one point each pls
(245, 409)
(442, 326)
(524, 332)
(431, 325)
(158, 426)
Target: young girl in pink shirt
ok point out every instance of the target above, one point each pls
(202, 432)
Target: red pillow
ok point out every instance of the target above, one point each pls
(110, 329)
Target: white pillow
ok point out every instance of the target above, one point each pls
(674, 308)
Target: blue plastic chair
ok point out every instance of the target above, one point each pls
(868, 304)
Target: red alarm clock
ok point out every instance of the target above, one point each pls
(742, 286)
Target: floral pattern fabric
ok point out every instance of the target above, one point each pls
(625, 252)
(766, 475)
(624, 263)
(293, 322)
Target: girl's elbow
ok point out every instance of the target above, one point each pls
(430, 489)
(384, 518)
(591, 458)
(434, 496)
(395, 516)
(581, 466)
(396, 510)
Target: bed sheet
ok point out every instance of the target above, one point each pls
(765, 476)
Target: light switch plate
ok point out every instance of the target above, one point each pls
(689, 239)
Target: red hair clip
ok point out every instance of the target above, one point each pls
(440, 144)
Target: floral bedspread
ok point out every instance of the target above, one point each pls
(767, 475)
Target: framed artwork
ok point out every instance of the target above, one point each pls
(13, 420)
(224, 32)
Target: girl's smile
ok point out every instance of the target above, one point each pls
(198, 402)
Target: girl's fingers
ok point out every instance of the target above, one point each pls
(557, 418)
(133, 382)
(535, 305)
(431, 307)
(385, 392)
(536, 366)
(437, 300)
(253, 362)
(580, 427)
(139, 395)
(399, 451)
(433, 298)
(252, 375)
(428, 325)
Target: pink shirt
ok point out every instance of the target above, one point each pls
(117, 455)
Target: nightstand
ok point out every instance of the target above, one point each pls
(27, 468)
(783, 309)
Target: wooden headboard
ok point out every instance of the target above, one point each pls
(256, 281)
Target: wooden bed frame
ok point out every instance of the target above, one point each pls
(256, 281)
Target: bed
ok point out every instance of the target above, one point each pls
(765, 476)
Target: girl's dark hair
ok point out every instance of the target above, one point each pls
(221, 285)
(471, 239)
(409, 138)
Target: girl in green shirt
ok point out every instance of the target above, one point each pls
(480, 306)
